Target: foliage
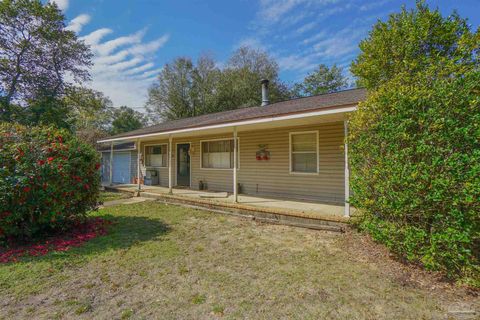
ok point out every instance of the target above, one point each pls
(172, 96)
(36, 53)
(126, 119)
(415, 42)
(87, 109)
(48, 180)
(185, 89)
(240, 81)
(322, 80)
(415, 141)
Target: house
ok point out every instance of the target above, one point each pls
(292, 149)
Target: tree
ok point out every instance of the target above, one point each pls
(322, 80)
(89, 113)
(184, 89)
(171, 97)
(415, 140)
(126, 119)
(87, 108)
(36, 54)
(416, 42)
(206, 78)
(240, 80)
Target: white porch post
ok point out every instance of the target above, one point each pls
(235, 185)
(139, 160)
(347, 171)
(170, 191)
(111, 164)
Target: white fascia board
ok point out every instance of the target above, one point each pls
(238, 123)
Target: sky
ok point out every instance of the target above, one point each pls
(132, 39)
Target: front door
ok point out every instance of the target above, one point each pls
(183, 164)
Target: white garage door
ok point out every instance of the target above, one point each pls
(121, 167)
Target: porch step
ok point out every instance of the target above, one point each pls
(253, 213)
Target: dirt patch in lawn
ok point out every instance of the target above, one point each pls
(204, 266)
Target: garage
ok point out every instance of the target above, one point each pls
(121, 167)
(123, 164)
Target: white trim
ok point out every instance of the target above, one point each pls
(292, 133)
(219, 139)
(170, 180)
(139, 169)
(119, 150)
(235, 165)
(145, 154)
(347, 171)
(176, 162)
(111, 163)
(240, 123)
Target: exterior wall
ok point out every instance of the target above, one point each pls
(162, 171)
(105, 168)
(272, 177)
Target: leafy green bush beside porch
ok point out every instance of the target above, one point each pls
(415, 141)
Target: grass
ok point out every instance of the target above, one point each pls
(110, 196)
(182, 263)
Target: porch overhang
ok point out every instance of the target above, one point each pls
(289, 120)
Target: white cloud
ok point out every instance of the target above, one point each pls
(301, 34)
(150, 73)
(139, 69)
(111, 45)
(306, 27)
(373, 5)
(61, 4)
(123, 66)
(78, 22)
(253, 42)
(95, 37)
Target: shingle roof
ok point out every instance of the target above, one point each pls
(299, 105)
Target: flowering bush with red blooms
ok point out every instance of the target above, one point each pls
(48, 181)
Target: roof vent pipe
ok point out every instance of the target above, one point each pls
(265, 100)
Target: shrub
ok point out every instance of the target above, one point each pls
(48, 181)
(415, 141)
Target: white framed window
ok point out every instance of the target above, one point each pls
(156, 155)
(218, 154)
(304, 152)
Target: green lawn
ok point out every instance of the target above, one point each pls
(110, 196)
(168, 262)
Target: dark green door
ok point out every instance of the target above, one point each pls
(183, 164)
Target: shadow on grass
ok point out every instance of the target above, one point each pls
(123, 233)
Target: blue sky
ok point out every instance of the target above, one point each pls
(133, 39)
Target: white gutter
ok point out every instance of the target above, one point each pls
(238, 123)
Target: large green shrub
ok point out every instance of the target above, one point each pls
(415, 141)
(48, 180)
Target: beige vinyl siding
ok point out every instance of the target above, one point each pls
(163, 171)
(272, 177)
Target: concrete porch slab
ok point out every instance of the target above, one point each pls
(246, 203)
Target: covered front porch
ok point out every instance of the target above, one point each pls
(307, 210)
